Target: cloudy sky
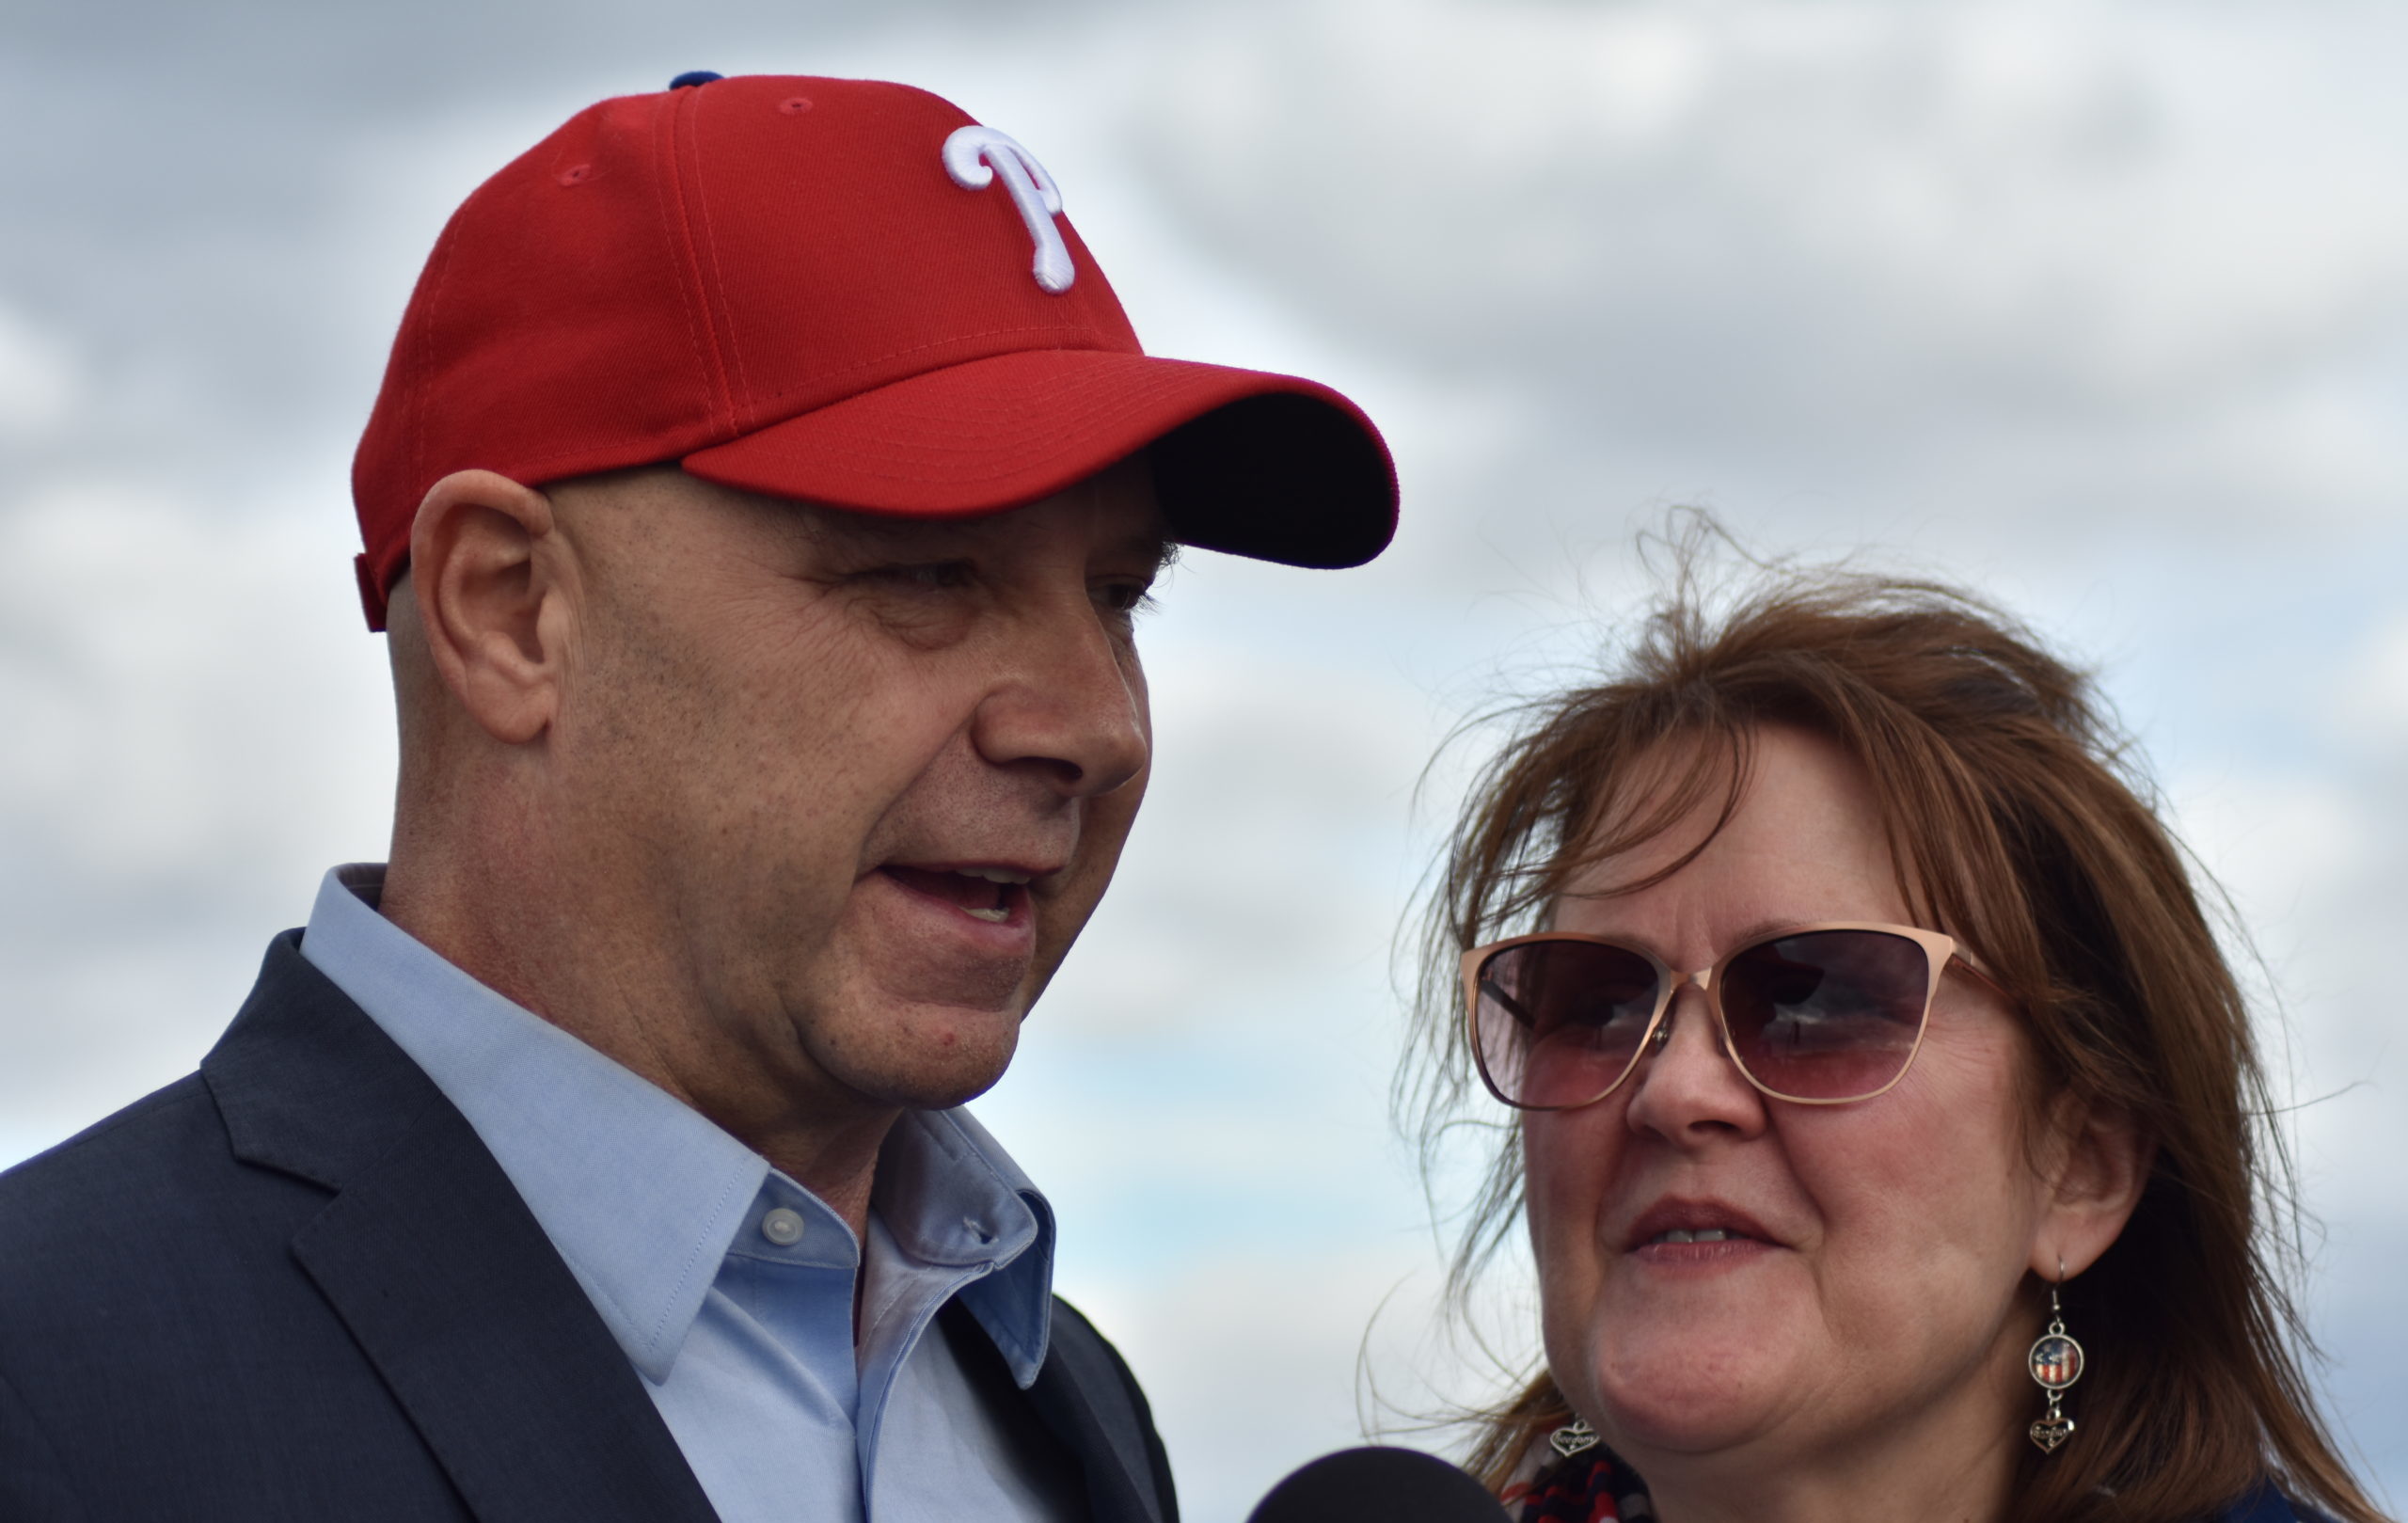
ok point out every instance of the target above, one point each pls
(2101, 307)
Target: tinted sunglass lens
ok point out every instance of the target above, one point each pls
(1827, 1014)
(1560, 1022)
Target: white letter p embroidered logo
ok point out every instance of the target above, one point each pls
(968, 155)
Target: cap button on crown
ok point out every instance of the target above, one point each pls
(694, 76)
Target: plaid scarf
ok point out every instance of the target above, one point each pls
(1589, 1487)
(1596, 1486)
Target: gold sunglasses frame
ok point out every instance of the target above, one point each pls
(1941, 952)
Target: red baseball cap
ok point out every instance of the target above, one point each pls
(832, 289)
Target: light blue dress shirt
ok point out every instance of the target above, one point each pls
(730, 1286)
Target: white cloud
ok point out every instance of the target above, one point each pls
(157, 648)
(41, 383)
(191, 732)
(2140, 239)
(2122, 196)
(1282, 1355)
(2366, 701)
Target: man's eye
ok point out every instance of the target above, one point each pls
(933, 576)
(1126, 597)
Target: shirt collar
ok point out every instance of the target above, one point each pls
(641, 1195)
(948, 1194)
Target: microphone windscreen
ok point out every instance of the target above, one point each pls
(1378, 1485)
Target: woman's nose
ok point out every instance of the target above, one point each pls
(1688, 1089)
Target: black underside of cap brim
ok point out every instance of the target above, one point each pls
(1281, 477)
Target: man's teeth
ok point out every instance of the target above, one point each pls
(1004, 880)
(993, 875)
(1711, 1234)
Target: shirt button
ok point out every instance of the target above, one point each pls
(782, 1227)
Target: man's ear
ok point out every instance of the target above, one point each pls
(487, 572)
(2100, 1164)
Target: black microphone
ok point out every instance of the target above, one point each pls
(1378, 1485)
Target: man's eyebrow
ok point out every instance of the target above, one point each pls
(881, 533)
(865, 528)
(1160, 550)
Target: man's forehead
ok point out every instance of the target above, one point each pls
(1117, 524)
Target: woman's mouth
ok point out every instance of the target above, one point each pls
(1677, 1231)
(1711, 1234)
(1699, 1248)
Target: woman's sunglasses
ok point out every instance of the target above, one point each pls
(1819, 1014)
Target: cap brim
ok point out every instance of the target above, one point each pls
(1258, 465)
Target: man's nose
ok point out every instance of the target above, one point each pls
(1071, 701)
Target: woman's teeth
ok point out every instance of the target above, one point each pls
(1711, 1234)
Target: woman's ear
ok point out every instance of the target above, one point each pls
(486, 572)
(2099, 1165)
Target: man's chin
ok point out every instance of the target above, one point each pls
(932, 1058)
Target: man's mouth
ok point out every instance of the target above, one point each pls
(990, 893)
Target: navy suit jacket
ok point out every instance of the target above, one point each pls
(295, 1286)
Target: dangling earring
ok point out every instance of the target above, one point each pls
(1572, 1437)
(2055, 1363)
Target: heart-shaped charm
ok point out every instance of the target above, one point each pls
(1572, 1437)
(2049, 1432)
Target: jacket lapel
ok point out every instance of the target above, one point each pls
(1085, 1395)
(437, 1268)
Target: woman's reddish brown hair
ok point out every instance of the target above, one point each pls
(2021, 825)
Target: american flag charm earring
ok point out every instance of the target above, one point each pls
(2055, 1363)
